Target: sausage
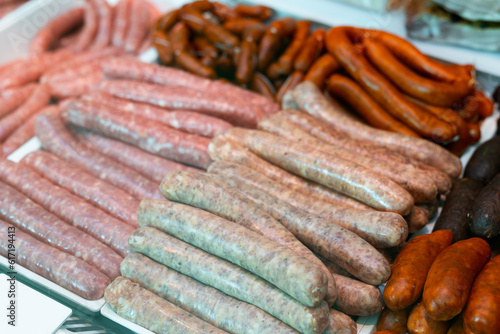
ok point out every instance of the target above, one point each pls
(72, 209)
(129, 68)
(309, 162)
(262, 13)
(62, 268)
(122, 11)
(179, 37)
(271, 41)
(212, 271)
(430, 208)
(13, 98)
(349, 91)
(381, 229)
(239, 25)
(89, 29)
(481, 314)
(221, 148)
(76, 86)
(484, 216)
(139, 25)
(420, 322)
(324, 236)
(321, 69)
(227, 313)
(219, 36)
(55, 138)
(247, 62)
(55, 29)
(39, 99)
(149, 165)
(310, 99)
(262, 85)
(456, 208)
(264, 257)
(192, 17)
(418, 185)
(310, 50)
(290, 83)
(284, 64)
(103, 195)
(132, 302)
(485, 161)
(19, 210)
(105, 18)
(191, 64)
(339, 42)
(393, 321)
(451, 276)
(204, 48)
(420, 63)
(186, 121)
(223, 12)
(484, 104)
(185, 99)
(162, 44)
(340, 324)
(141, 132)
(357, 298)
(410, 269)
(21, 135)
(437, 93)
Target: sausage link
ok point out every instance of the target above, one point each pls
(321, 69)
(484, 215)
(89, 29)
(340, 324)
(339, 42)
(19, 210)
(271, 41)
(417, 219)
(105, 18)
(357, 298)
(132, 302)
(224, 12)
(393, 321)
(191, 64)
(420, 322)
(349, 91)
(212, 271)
(207, 303)
(265, 258)
(482, 312)
(10, 99)
(263, 85)
(311, 100)
(55, 138)
(219, 36)
(103, 195)
(122, 12)
(451, 276)
(310, 50)
(239, 25)
(62, 268)
(139, 26)
(262, 13)
(247, 62)
(72, 209)
(290, 83)
(163, 45)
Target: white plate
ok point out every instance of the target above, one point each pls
(109, 313)
(35, 313)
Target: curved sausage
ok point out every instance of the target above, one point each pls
(104, 31)
(310, 50)
(122, 13)
(357, 298)
(13, 98)
(409, 270)
(139, 26)
(420, 322)
(393, 321)
(89, 30)
(321, 69)
(259, 12)
(340, 324)
(62, 268)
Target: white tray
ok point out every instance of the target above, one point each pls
(109, 313)
(90, 305)
(30, 317)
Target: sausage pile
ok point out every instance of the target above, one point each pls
(65, 59)
(436, 287)
(382, 77)
(473, 206)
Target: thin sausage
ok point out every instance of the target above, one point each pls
(132, 302)
(89, 30)
(122, 13)
(19, 210)
(451, 276)
(105, 18)
(13, 98)
(290, 83)
(420, 322)
(264, 257)
(207, 303)
(103, 195)
(357, 298)
(62, 268)
(72, 209)
(394, 321)
(139, 25)
(259, 12)
(321, 69)
(310, 50)
(410, 269)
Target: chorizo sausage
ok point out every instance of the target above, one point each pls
(262, 13)
(310, 50)
(321, 69)
(420, 322)
(393, 321)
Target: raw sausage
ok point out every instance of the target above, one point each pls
(12, 98)
(357, 298)
(340, 324)
(89, 29)
(105, 18)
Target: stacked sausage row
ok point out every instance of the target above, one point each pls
(65, 61)
(438, 288)
(384, 78)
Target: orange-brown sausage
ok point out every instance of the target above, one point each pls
(293, 80)
(271, 41)
(349, 91)
(263, 85)
(451, 276)
(340, 42)
(393, 321)
(482, 314)
(259, 12)
(419, 322)
(247, 62)
(188, 62)
(238, 25)
(310, 51)
(284, 65)
(219, 36)
(167, 21)
(179, 37)
(442, 94)
(204, 48)
(321, 69)
(410, 268)
(164, 47)
(223, 12)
